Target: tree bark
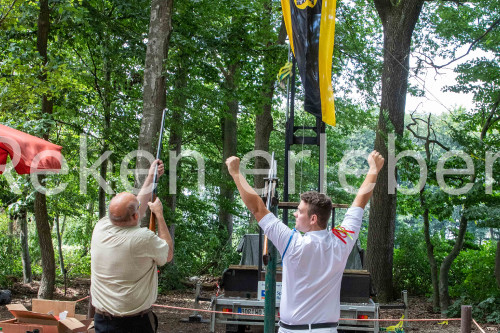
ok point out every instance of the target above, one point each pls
(497, 264)
(444, 296)
(398, 21)
(229, 143)
(11, 226)
(61, 256)
(106, 105)
(154, 94)
(430, 255)
(47, 283)
(264, 119)
(22, 222)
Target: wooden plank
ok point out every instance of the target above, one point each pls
(356, 271)
(251, 267)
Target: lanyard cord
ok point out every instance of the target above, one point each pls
(288, 244)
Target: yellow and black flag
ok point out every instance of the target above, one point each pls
(310, 25)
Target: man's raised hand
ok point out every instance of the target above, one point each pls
(376, 162)
(156, 207)
(233, 165)
(161, 168)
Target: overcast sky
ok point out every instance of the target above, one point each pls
(436, 100)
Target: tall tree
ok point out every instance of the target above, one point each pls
(398, 21)
(264, 118)
(229, 142)
(22, 221)
(473, 129)
(429, 139)
(154, 93)
(47, 284)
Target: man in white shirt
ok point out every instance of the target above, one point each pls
(124, 260)
(313, 263)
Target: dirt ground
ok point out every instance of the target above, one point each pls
(170, 319)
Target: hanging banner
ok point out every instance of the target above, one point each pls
(310, 25)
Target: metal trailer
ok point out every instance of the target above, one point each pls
(238, 313)
(356, 311)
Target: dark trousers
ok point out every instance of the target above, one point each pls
(146, 323)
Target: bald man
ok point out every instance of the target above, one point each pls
(124, 260)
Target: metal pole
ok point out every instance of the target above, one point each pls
(322, 156)
(197, 297)
(289, 140)
(405, 301)
(152, 218)
(270, 300)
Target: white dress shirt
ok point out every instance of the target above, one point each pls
(312, 269)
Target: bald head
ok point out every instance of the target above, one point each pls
(122, 208)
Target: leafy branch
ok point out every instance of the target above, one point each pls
(430, 62)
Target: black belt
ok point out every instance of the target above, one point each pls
(109, 315)
(306, 326)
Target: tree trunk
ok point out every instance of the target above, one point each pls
(430, 256)
(61, 256)
(423, 203)
(175, 139)
(22, 222)
(47, 283)
(448, 260)
(398, 21)
(154, 94)
(229, 143)
(106, 105)
(444, 296)
(46, 290)
(11, 226)
(264, 119)
(497, 264)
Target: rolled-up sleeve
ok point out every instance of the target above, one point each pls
(276, 231)
(159, 250)
(352, 221)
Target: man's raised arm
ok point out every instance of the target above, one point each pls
(250, 198)
(376, 162)
(145, 193)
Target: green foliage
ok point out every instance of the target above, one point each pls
(472, 274)
(411, 267)
(76, 261)
(170, 278)
(10, 263)
(487, 310)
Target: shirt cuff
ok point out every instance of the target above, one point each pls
(267, 220)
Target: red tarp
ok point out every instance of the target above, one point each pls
(29, 154)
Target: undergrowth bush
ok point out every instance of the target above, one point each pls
(487, 310)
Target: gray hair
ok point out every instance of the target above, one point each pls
(131, 210)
